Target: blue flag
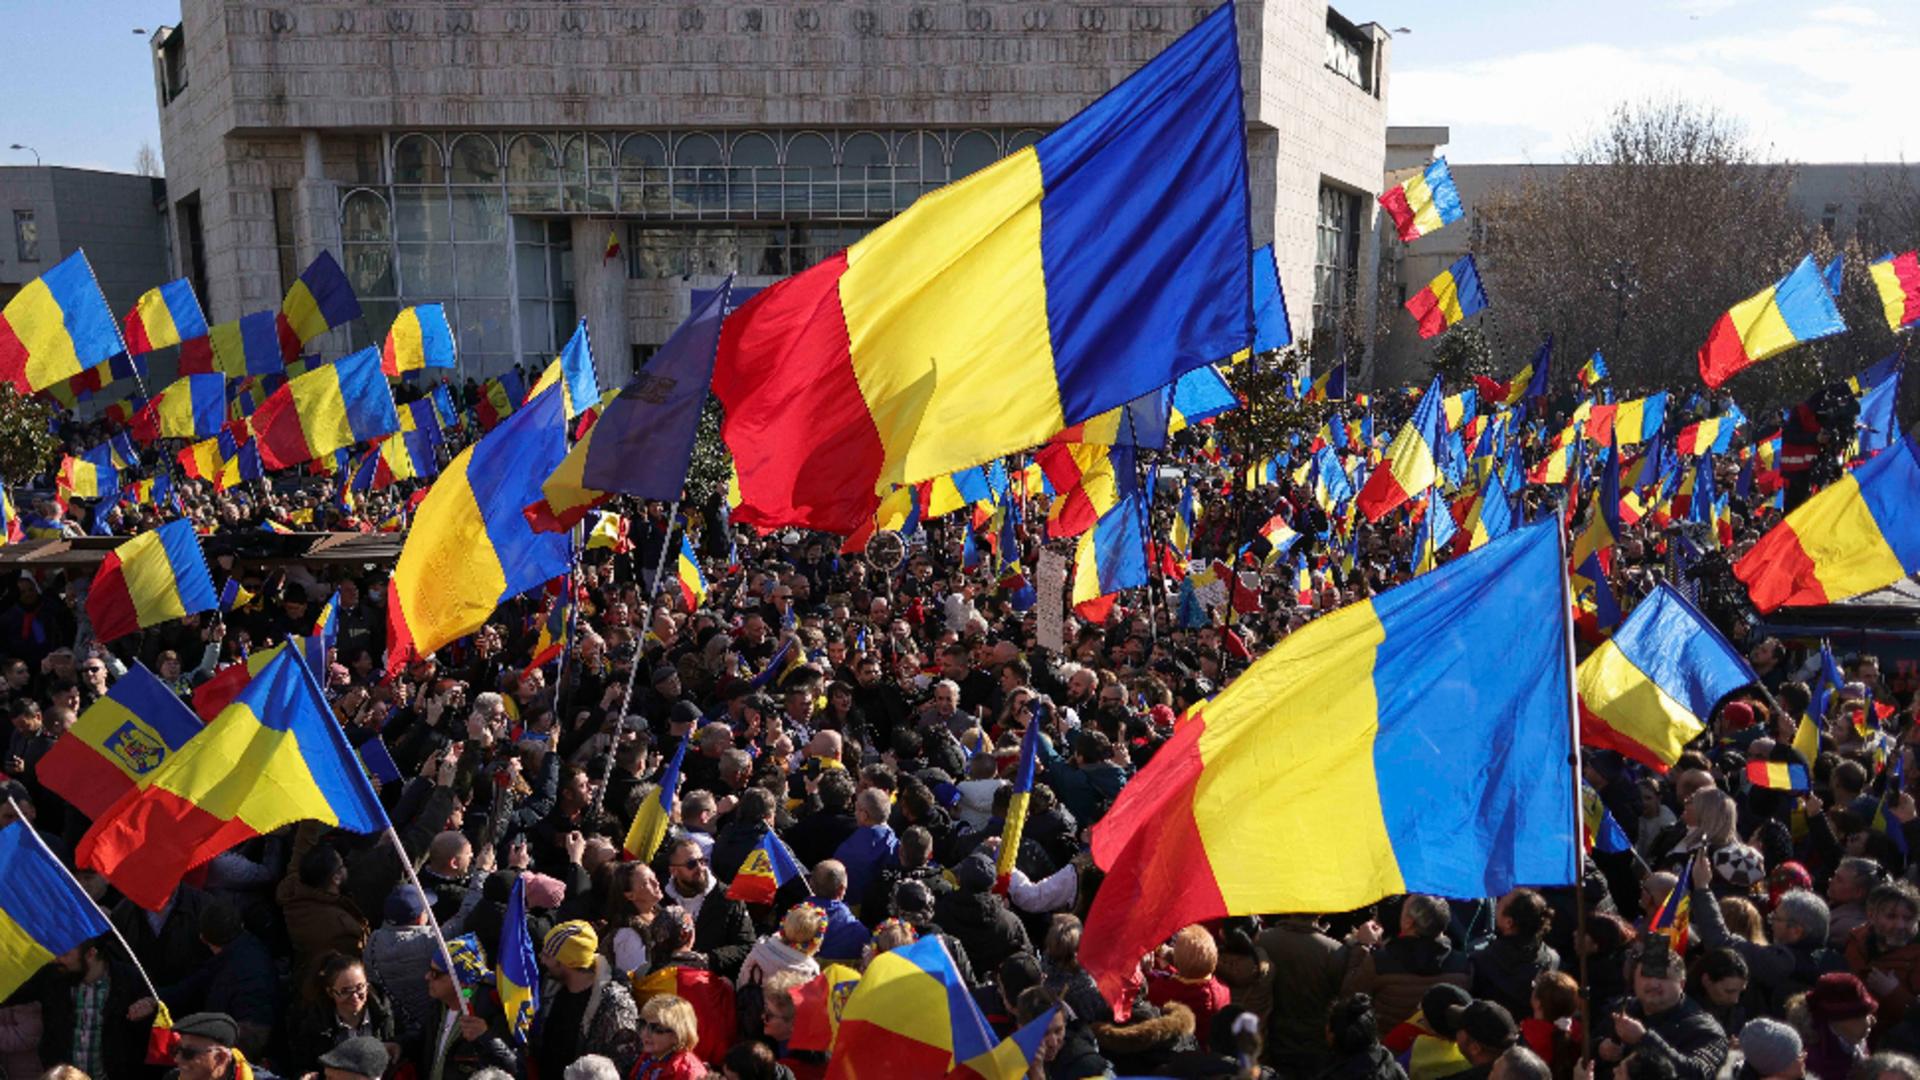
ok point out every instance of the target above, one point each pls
(517, 975)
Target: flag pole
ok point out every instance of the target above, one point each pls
(439, 937)
(1579, 779)
(1146, 527)
(633, 670)
(133, 959)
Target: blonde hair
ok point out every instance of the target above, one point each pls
(1743, 919)
(1715, 814)
(675, 1014)
(779, 987)
(804, 927)
(1194, 953)
(892, 934)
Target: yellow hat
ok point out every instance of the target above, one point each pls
(572, 944)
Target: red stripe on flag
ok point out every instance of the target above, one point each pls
(1724, 355)
(149, 840)
(109, 604)
(1777, 570)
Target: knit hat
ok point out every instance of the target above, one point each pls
(545, 892)
(1435, 1005)
(1738, 715)
(469, 960)
(975, 874)
(1840, 996)
(1771, 1046)
(572, 944)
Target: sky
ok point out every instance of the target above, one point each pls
(1514, 80)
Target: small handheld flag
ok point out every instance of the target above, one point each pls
(768, 866)
(518, 976)
(1778, 775)
(650, 824)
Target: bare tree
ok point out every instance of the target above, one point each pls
(146, 162)
(1664, 219)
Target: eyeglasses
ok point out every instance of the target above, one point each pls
(94, 669)
(188, 1053)
(660, 1029)
(691, 863)
(344, 992)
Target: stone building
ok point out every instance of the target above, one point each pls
(51, 210)
(482, 154)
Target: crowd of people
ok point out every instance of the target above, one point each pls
(871, 716)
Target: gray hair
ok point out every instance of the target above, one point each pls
(829, 878)
(1807, 911)
(1886, 1062)
(1519, 1063)
(494, 1074)
(1430, 914)
(590, 1067)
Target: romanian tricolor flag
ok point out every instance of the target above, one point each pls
(1379, 801)
(1603, 833)
(1672, 920)
(153, 578)
(983, 319)
(1110, 557)
(56, 326)
(92, 475)
(272, 757)
(43, 910)
(1412, 462)
(249, 345)
(517, 973)
(1331, 385)
(193, 407)
(1897, 279)
(1649, 689)
(768, 866)
(499, 397)
(117, 742)
(1012, 1057)
(910, 1015)
(686, 572)
(331, 407)
(1637, 421)
(1016, 820)
(419, 338)
(234, 595)
(1859, 534)
(320, 299)
(649, 826)
(470, 547)
(1424, 202)
(1794, 309)
(612, 251)
(573, 370)
(1778, 775)
(610, 533)
(1592, 371)
(1453, 296)
(163, 316)
(1089, 479)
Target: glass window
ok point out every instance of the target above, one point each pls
(754, 180)
(643, 174)
(416, 160)
(283, 245)
(865, 176)
(426, 271)
(810, 186)
(699, 184)
(481, 269)
(26, 236)
(973, 151)
(536, 330)
(479, 215)
(483, 326)
(1335, 251)
(476, 160)
(530, 269)
(584, 157)
(1347, 52)
(420, 214)
(364, 217)
(371, 327)
(369, 267)
(533, 175)
(1022, 139)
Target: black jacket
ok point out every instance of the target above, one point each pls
(724, 931)
(984, 924)
(123, 1043)
(1686, 1037)
(732, 846)
(314, 1030)
(819, 834)
(1504, 970)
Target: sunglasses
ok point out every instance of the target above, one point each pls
(188, 1053)
(660, 1029)
(693, 862)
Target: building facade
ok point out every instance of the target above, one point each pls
(483, 154)
(50, 211)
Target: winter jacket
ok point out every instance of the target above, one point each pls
(1372, 1064)
(1399, 973)
(20, 1040)
(846, 937)
(396, 960)
(1504, 970)
(1308, 967)
(464, 1057)
(240, 982)
(1685, 1036)
(316, 1029)
(1085, 790)
(869, 851)
(1775, 972)
(123, 1043)
(681, 1065)
(318, 922)
(1865, 955)
(984, 925)
(722, 929)
(610, 1025)
(772, 955)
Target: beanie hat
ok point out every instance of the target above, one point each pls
(572, 944)
(545, 892)
(1771, 1046)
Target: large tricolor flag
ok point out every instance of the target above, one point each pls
(470, 547)
(1380, 746)
(419, 338)
(1794, 309)
(1897, 279)
(272, 757)
(1452, 296)
(333, 406)
(1412, 462)
(984, 318)
(1424, 202)
(43, 910)
(166, 315)
(910, 1015)
(56, 326)
(1648, 690)
(153, 578)
(1860, 533)
(192, 407)
(117, 742)
(321, 298)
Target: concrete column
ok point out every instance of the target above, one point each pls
(316, 226)
(600, 296)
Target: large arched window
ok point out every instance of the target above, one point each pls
(699, 183)
(973, 151)
(587, 171)
(809, 177)
(533, 174)
(643, 174)
(416, 160)
(866, 176)
(476, 160)
(366, 243)
(753, 176)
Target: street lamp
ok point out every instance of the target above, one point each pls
(28, 149)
